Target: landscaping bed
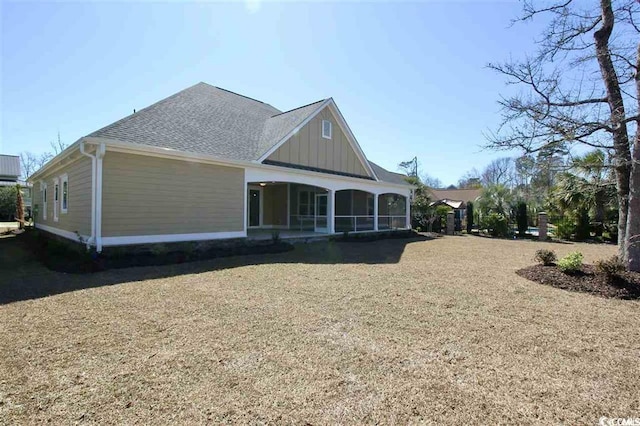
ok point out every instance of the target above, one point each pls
(624, 286)
(63, 256)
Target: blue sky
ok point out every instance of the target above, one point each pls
(410, 78)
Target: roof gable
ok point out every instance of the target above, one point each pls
(306, 147)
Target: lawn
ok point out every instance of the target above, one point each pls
(392, 331)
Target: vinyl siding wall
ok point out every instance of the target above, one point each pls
(145, 195)
(78, 216)
(309, 148)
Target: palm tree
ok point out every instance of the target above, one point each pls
(496, 199)
(589, 186)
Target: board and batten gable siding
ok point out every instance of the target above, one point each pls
(308, 148)
(78, 216)
(145, 195)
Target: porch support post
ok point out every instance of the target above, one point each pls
(331, 210)
(408, 211)
(375, 212)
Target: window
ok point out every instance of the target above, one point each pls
(306, 203)
(65, 193)
(56, 190)
(326, 129)
(43, 186)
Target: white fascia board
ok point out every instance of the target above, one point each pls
(170, 238)
(294, 131)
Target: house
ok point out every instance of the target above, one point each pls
(10, 176)
(208, 164)
(457, 199)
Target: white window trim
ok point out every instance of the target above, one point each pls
(43, 189)
(330, 129)
(56, 198)
(64, 179)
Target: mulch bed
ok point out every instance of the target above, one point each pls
(624, 286)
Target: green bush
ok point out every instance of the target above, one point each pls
(610, 268)
(521, 218)
(7, 202)
(565, 228)
(496, 224)
(583, 227)
(546, 257)
(571, 262)
(469, 217)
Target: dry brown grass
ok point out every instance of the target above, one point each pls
(438, 331)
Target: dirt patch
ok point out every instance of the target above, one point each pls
(624, 286)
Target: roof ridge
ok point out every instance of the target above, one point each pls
(246, 97)
(300, 107)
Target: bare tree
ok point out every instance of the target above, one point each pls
(58, 146)
(28, 164)
(430, 181)
(31, 163)
(579, 87)
(498, 172)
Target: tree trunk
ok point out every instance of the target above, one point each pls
(632, 241)
(19, 207)
(622, 153)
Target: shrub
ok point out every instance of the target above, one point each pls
(521, 218)
(610, 268)
(571, 262)
(275, 236)
(583, 228)
(159, 249)
(496, 224)
(7, 202)
(469, 217)
(546, 257)
(565, 229)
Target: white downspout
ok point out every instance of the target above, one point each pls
(99, 156)
(92, 238)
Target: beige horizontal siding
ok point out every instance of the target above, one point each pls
(78, 216)
(152, 196)
(309, 148)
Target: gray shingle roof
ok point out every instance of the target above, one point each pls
(204, 119)
(9, 165)
(387, 176)
(278, 126)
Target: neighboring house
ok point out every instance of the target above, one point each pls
(10, 176)
(457, 199)
(207, 163)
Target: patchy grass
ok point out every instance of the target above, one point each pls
(400, 331)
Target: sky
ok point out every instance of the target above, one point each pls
(410, 78)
